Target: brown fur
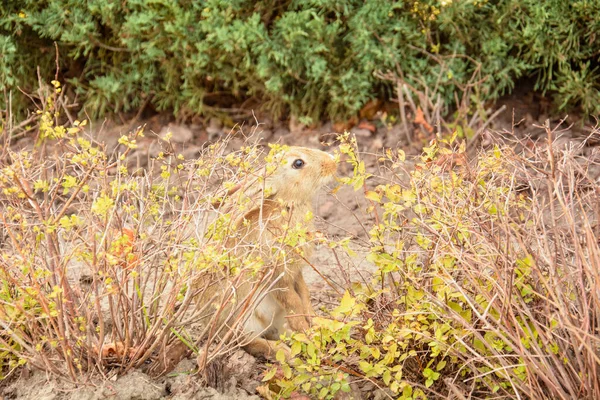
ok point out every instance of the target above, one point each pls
(288, 300)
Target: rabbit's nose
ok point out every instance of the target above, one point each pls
(329, 167)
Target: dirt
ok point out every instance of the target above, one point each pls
(339, 216)
(181, 384)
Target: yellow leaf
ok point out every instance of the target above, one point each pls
(269, 375)
(373, 196)
(346, 305)
(280, 356)
(296, 348)
(401, 155)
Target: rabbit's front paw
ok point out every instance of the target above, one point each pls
(299, 323)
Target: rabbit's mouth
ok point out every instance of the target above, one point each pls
(328, 182)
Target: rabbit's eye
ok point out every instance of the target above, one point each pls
(298, 163)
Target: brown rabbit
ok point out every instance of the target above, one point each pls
(283, 296)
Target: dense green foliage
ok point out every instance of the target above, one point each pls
(311, 58)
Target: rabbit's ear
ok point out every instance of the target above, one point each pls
(265, 209)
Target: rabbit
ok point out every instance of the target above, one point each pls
(285, 202)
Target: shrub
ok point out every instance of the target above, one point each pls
(312, 58)
(99, 261)
(485, 284)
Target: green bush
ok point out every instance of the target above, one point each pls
(311, 58)
(481, 290)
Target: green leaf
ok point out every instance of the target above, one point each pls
(269, 375)
(295, 348)
(323, 392)
(280, 356)
(441, 365)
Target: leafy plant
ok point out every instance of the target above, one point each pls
(99, 261)
(484, 283)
